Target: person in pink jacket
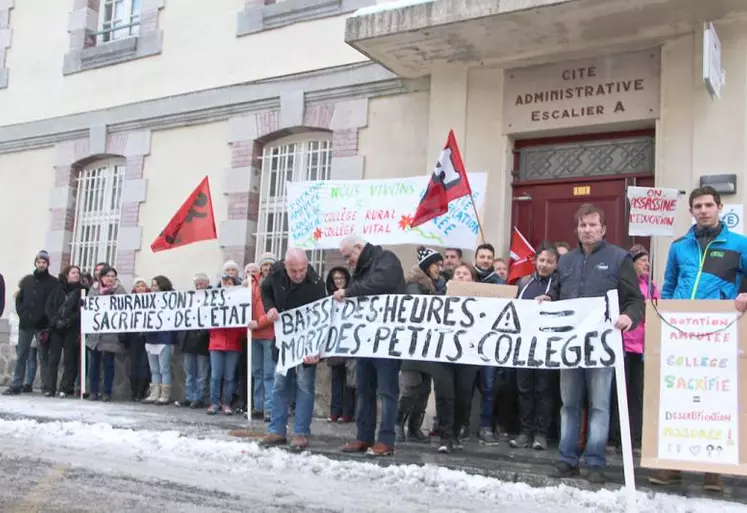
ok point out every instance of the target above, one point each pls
(633, 344)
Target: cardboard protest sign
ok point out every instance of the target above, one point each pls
(695, 369)
(322, 213)
(167, 311)
(652, 211)
(453, 329)
(471, 288)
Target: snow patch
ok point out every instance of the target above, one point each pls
(388, 6)
(316, 477)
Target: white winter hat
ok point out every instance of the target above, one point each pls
(230, 264)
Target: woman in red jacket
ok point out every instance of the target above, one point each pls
(263, 335)
(225, 349)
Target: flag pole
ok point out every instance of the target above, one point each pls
(477, 216)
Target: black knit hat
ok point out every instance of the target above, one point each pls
(428, 256)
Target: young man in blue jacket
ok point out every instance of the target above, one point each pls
(709, 262)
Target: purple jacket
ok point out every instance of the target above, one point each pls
(634, 339)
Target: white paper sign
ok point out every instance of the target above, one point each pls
(167, 311)
(652, 211)
(453, 329)
(699, 409)
(732, 215)
(322, 213)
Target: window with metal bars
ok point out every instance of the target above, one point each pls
(292, 159)
(118, 19)
(98, 209)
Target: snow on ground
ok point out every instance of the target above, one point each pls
(292, 479)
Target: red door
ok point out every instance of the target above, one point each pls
(545, 211)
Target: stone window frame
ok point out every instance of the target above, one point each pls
(6, 38)
(72, 156)
(261, 15)
(85, 53)
(304, 145)
(249, 134)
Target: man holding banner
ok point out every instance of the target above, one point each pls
(590, 271)
(709, 262)
(290, 284)
(376, 271)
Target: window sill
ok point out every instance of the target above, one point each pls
(114, 52)
(267, 17)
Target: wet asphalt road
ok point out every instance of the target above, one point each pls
(42, 486)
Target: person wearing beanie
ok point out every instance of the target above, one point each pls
(415, 377)
(265, 262)
(231, 268)
(195, 349)
(139, 366)
(33, 325)
(633, 344)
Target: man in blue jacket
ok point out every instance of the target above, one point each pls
(709, 262)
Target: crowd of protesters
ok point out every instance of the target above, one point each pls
(576, 407)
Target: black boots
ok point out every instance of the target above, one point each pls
(414, 431)
(138, 390)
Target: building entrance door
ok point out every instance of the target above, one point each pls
(553, 179)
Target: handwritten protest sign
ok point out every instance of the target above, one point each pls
(167, 311)
(322, 213)
(652, 211)
(695, 369)
(453, 329)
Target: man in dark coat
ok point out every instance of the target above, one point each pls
(591, 270)
(31, 303)
(376, 272)
(290, 284)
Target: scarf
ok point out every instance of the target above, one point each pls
(485, 275)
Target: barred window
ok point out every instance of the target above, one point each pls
(118, 19)
(98, 207)
(295, 159)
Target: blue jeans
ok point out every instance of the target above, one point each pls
(160, 366)
(223, 367)
(94, 366)
(263, 372)
(597, 384)
(196, 369)
(487, 380)
(284, 390)
(24, 364)
(32, 364)
(377, 376)
(342, 402)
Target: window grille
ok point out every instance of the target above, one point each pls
(295, 160)
(118, 19)
(98, 209)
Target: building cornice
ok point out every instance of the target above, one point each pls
(360, 80)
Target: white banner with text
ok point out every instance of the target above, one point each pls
(167, 311)
(454, 329)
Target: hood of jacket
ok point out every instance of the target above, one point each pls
(416, 276)
(330, 282)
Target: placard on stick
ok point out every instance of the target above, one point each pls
(695, 369)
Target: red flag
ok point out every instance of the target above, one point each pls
(522, 257)
(193, 222)
(448, 182)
